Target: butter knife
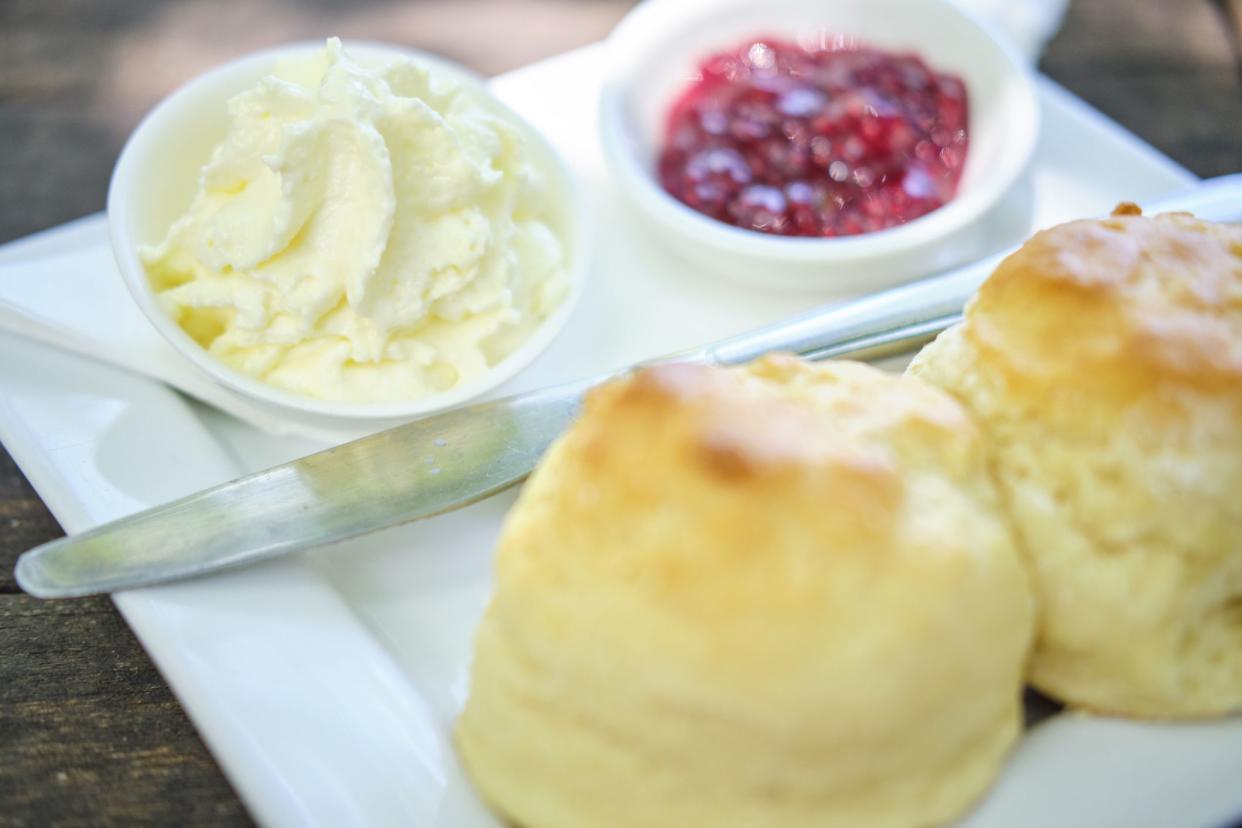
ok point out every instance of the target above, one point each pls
(449, 460)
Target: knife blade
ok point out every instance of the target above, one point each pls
(417, 470)
(458, 457)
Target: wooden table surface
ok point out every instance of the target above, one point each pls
(89, 732)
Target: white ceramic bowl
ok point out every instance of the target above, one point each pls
(156, 178)
(653, 55)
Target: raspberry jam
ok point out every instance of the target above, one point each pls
(823, 141)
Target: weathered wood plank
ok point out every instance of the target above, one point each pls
(89, 732)
(24, 521)
(1168, 71)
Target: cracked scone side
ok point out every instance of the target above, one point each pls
(1104, 361)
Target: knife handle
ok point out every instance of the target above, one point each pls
(903, 318)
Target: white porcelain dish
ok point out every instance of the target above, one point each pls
(326, 685)
(156, 177)
(654, 52)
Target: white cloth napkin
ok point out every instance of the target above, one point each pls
(1029, 23)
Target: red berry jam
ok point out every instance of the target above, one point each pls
(817, 141)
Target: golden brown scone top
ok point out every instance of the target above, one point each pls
(1141, 300)
(761, 425)
(750, 432)
(732, 469)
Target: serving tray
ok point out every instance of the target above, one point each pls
(326, 685)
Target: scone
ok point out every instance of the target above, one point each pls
(779, 595)
(1104, 361)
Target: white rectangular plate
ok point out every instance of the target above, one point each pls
(326, 685)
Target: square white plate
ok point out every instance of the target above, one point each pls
(326, 685)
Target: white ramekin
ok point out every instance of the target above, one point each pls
(156, 177)
(653, 54)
